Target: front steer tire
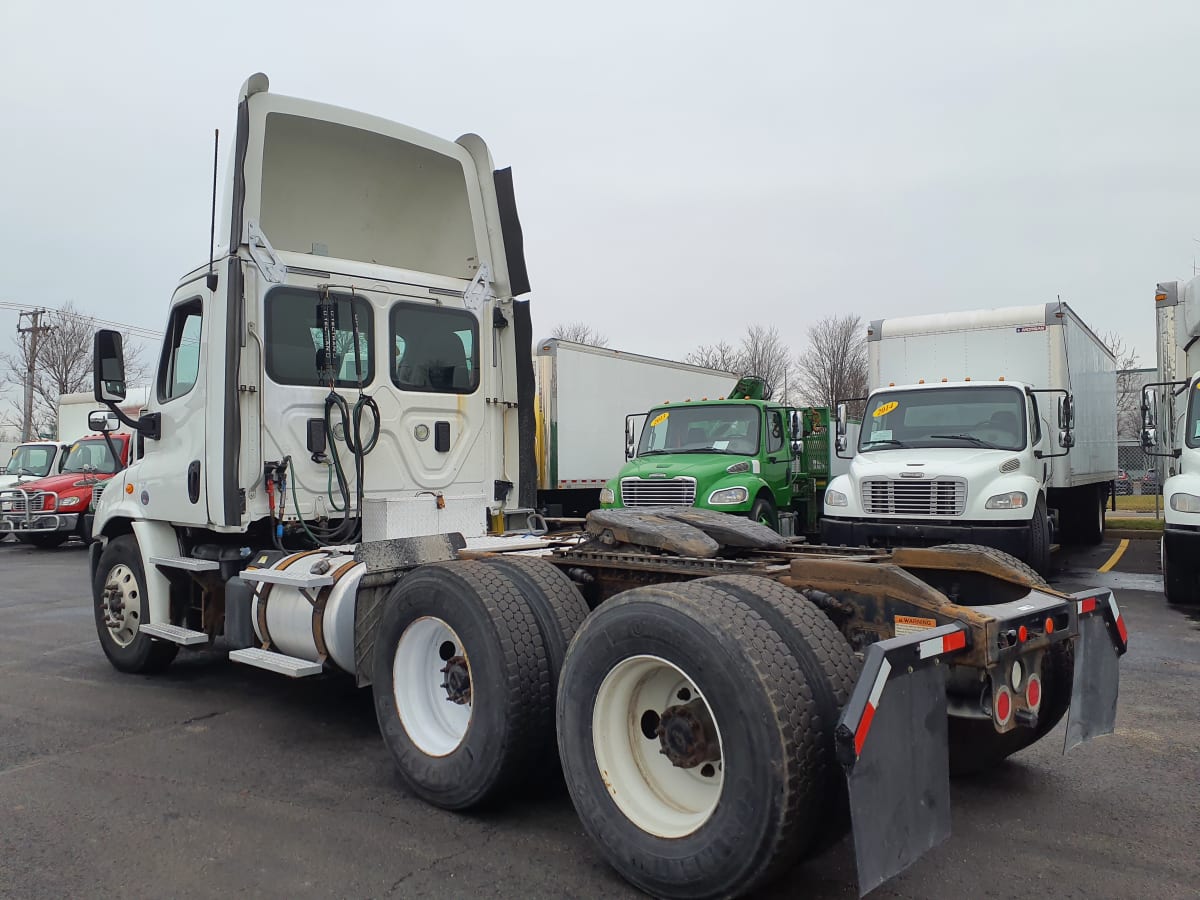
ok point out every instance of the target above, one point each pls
(454, 749)
(128, 649)
(1181, 580)
(758, 821)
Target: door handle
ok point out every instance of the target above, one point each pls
(193, 479)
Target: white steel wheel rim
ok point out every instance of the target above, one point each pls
(434, 722)
(122, 603)
(658, 797)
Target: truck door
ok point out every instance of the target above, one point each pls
(169, 481)
(776, 458)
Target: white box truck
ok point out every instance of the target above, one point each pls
(993, 427)
(1171, 429)
(585, 394)
(74, 409)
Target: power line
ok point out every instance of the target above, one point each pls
(134, 330)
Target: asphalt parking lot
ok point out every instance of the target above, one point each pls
(216, 778)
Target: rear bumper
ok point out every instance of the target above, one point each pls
(1012, 539)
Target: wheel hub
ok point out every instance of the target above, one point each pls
(458, 680)
(686, 735)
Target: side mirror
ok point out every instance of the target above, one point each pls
(841, 443)
(1149, 409)
(108, 372)
(103, 420)
(629, 445)
(1066, 413)
(842, 418)
(1149, 439)
(1066, 439)
(795, 425)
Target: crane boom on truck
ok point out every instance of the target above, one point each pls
(343, 410)
(1171, 429)
(957, 442)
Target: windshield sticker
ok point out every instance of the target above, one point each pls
(720, 445)
(885, 409)
(659, 419)
(881, 434)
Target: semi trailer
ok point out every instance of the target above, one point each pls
(996, 427)
(336, 450)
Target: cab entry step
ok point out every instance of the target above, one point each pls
(291, 666)
(185, 637)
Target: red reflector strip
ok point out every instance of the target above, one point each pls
(1087, 606)
(1112, 604)
(864, 724)
(944, 644)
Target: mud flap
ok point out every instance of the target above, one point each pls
(1102, 640)
(892, 742)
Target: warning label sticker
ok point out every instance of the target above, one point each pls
(909, 624)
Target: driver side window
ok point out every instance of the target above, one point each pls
(1035, 424)
(180, 364)
(774, 431)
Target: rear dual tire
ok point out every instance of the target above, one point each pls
(466, 659)
(722, 656)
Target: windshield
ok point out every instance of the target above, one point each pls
(990, 417)
(31, 459)
(1192, 434)
(701, 429)
(92, 455)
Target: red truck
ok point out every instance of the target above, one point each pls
(48, 511)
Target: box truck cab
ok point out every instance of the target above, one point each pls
(970, 434)
(1171, 430)
(32, 460)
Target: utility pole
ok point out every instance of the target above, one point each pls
(34, 331)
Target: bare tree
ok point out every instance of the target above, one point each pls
(762, 353)
(1129, 385)
(580, 333)
(63, 366)
(833, 366)
(721, 356)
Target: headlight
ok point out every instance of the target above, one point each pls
(1011, 500)
(1186, 503)
(608, 495)
(728, 496)
(70, 501)
(836, 498)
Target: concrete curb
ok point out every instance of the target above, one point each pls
(1134, 534)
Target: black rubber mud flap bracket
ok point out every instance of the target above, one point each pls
(891, 740)
(1103, 638)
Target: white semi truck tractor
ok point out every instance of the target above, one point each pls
(1171, 429)
(993, 427)
(335, 473)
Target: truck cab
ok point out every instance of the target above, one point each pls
(32, 460)
(1171, 431)
(750, 457)
(959, 462)
(48, 511)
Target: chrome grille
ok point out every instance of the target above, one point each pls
(37, 502)
(97, 490)
(658, 491)
(886, 497)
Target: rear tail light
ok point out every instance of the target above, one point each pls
(1002, 706)
(1033, 692)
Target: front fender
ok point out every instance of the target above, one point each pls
(1185, 483)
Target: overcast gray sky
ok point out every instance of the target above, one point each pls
(682, 169)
